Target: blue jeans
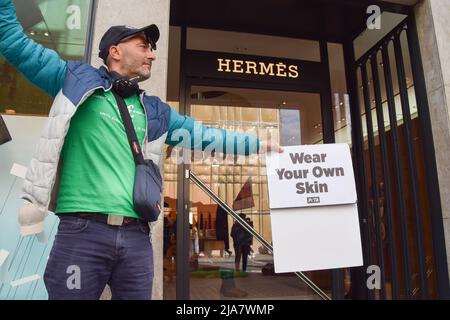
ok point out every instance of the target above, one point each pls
(87, 255)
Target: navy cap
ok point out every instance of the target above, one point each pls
(116, 34)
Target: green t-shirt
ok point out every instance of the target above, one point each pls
(97, 164)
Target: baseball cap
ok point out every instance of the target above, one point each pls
(116, 34)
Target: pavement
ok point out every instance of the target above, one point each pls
(206, 281)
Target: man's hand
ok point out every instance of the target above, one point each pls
(268, 146)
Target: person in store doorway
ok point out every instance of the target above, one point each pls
(222, 228)
(242, 241)
(83, 168)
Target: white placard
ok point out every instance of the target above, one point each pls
(310, 175)
(316, 238)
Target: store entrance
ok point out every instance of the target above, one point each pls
(372, 76)
(221, 265)
(287, 100)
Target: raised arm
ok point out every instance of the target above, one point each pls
(188, 133)
(40, 65)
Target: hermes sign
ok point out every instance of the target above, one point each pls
(279, 69)
(305, 75)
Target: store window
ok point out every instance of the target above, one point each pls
(60, 25)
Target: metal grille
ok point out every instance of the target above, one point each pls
(399, 204)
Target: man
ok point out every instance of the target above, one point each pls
(83, 168)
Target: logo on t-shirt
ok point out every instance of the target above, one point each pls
(131, 111)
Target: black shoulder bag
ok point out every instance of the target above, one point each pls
(147, 190)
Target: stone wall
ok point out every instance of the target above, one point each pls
(140, 13)
(434, 36)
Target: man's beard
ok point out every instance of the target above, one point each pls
(144, 75)
(138, 71)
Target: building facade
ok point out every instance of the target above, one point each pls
(372, 74)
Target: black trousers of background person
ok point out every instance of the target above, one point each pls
(226, 241)
(244, 251)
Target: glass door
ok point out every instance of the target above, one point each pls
(218, 268)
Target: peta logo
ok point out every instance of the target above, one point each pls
(313, 199)
(374, 20)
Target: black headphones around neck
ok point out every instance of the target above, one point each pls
(123, 86)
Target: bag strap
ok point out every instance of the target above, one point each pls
(129, 129)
